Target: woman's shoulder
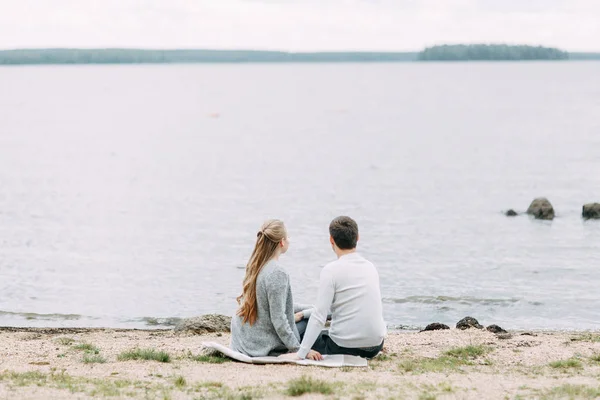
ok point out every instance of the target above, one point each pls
(273, 271)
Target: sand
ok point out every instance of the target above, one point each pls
(49, 363)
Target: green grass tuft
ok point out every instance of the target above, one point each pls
(87, 347)
(180, 382)
(145, 354)
(586, 337)
(93, 359)
(595, 357)
(210, 359)
(566, 364)
(304, 384)
(467, 352)
(65, 341)
(451, 360)
(569, 391)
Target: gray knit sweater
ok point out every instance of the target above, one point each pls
(274, 331)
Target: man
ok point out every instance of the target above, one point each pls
(349, 287)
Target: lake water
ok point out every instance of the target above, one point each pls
(132, 194)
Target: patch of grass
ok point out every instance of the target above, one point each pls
(446, 387)
(467, 352)
(180, 382)
(93, 359)
(569, 391)
(145, 354)
(217, 390)
(385, 357)
(210, 385)
(106, 387)
(595, 357)
(65, 341)
(452, 360)
(587, 337)
(566, 364)
(24, 378)
(430, 391)
(209, 359)
(87, 347)
(304, 384)
(440, 364)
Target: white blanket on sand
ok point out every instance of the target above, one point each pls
(332, 361)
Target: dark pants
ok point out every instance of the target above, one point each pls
(301, 325)
(325, 345)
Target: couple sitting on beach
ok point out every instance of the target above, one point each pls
(268, 323)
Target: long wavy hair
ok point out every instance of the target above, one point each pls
(268, 239)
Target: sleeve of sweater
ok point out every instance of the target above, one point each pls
(277, 292)
(306, 309)
(319, 314)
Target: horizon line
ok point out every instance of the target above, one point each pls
(284, 51)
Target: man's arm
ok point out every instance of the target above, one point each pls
(319, 313)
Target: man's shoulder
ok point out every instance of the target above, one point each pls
(344, 263)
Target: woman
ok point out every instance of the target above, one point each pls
(265, 323)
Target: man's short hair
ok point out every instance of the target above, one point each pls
(344, 231)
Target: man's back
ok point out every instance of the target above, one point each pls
(349, 288)
(357, 315)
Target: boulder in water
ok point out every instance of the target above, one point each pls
(591, 211)
(541, 208)
(495, 329)
(511, 213)
(209, 323)
(436, 326)
(468, 322)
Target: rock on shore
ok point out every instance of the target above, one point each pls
(209, 323)
(591, 211)
(541, 208)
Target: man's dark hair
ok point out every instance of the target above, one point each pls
(344, 231)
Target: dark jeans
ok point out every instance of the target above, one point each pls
(325, 345)
(301, 325)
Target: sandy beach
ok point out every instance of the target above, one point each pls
(451, 364)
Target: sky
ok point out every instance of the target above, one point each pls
(298, 25)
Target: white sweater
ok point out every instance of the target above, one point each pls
(349, 287)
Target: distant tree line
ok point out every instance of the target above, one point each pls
(494, 52)
(137, 56)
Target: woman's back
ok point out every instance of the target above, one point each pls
(274, 332)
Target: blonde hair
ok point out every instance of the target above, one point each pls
(268, 239)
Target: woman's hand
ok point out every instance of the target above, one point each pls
(299, 316)
(314, 355)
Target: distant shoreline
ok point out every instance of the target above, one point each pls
(455, 53)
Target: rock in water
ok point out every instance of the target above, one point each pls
(511, 213)
(591, 211)
(436, 326)
(468, 322)
(541, 208)
(205, 324)
(495, 329)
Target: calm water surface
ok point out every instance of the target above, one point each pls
(134, 193)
